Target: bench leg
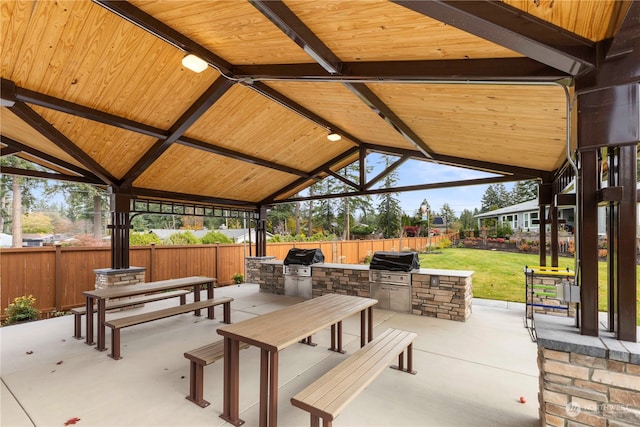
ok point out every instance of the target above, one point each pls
(400, 365)
(210, 314)
(196, 384)
(115, 344)
(77, 326)
(226, 307)
(183, 299)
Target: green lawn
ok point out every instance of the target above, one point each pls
(500, 275)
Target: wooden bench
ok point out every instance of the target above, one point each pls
(124, 322)
(330, 394)
(198, 359)
(78, 312)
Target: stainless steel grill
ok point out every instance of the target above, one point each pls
(390, 279)
(297, 271)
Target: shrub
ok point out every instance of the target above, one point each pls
(215, 237)
(21, 309)
(361, 230)
(444, 243)
(183, 238)
(237, 278)
(143, 239)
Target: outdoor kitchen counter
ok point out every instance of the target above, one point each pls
(440, 272)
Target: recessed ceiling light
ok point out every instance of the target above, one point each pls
(194, 63)
(334, 137)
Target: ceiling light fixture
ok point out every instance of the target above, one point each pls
(333, 136)
(194, 63)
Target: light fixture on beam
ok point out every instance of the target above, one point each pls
(194, 63)
(334, 136)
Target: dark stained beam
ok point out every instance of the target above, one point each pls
(294, 28)
(510, 27)
(188, 142)
(167, 195)
(49, 175)
(56, 104)
(462, 70)
(47, 130)
(206, 100)
(283, 18)
(421, 187)
(314, 173)
(395, 165)
(343, 179)
(150, 24)
(19, 147)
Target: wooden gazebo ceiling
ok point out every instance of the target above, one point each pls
(96, 92)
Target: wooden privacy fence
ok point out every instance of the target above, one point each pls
(57, 276)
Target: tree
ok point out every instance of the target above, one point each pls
(467, 221)
(524, 191)
(389, 207)
(448, 214)
(495, 197)
(37, 223)
(85, 202)
(21, 190)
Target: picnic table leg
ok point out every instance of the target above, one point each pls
(264, 387)
(102, 308)
(89, 321)
(370, 319)
(363, 322)
(273, 386)
(333, 338)
(226, 307)
(231, 382)
(196, 298)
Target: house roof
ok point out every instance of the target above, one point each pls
(530, 205)
(96, 92)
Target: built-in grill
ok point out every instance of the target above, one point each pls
(390, 279)
(297, 271)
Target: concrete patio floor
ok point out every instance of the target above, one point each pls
(469, 374)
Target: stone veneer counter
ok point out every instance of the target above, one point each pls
(586, 380)
(445, 294)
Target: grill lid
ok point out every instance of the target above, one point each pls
(395, 261)
(299, 256)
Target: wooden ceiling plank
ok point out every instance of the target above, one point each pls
(147, 22)
(509, 27)
(189, 142)
(215, 92)
(23, 111)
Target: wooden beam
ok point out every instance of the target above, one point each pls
(513, 29)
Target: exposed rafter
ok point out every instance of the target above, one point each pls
(206, 100)
(17, 147)
(509, 27)
(421, 187)
(47, 175)
(292, 26)
(455, 70)
(45, 128)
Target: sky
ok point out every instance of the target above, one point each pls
(415, 172)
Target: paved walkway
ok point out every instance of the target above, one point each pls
(469, 374)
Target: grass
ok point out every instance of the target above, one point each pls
(500, 275)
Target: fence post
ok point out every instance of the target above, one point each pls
(58, 277)
(152, 256)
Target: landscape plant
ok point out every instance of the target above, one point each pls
(21, 309)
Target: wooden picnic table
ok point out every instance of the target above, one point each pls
(275, 331)
(102, 295)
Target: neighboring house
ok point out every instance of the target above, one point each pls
(525, 216)
(6, 240)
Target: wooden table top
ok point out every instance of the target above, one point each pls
(149, 287)
(277, 330)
